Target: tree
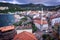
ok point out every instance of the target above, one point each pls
(34, 28)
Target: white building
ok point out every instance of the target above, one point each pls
(41, 24)
(3, 8)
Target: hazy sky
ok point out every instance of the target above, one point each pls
(45, 2)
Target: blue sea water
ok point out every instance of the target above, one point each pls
(6, 19)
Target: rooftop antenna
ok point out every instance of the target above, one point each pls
(41, 15)
(41, 18)
(42, 10)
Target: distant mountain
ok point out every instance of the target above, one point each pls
(17, 7)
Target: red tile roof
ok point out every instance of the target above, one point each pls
(25, 36)
(55, 16)
(37, 18)
(3, 29)
(33, 12)
(40, 21)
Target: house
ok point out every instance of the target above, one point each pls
(18, 17)
(41, 24)
(3, 8)
(25, 36)
(55, 19)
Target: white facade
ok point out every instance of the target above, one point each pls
(37, 25)
(43, 27)
(3, 8)
(55, 20)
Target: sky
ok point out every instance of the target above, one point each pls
(45, 2)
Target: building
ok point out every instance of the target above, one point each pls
(3, 8)
(41, 24)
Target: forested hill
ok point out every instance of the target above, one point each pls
(21, 7)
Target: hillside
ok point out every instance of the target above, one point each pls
(23, 7)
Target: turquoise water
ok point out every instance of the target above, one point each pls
(6, 19)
